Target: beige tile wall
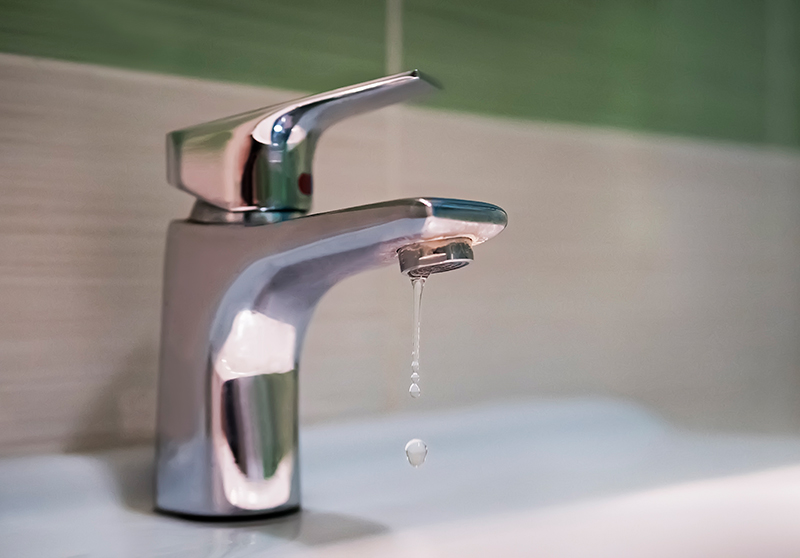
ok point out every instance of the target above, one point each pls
(663, 270)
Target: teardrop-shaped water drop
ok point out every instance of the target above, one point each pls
(416, 452)
(415, 377)
(414, 390)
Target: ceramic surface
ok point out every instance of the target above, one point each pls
(560, 478)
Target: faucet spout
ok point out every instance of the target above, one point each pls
(237, 303)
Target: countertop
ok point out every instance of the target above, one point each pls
(577, 477)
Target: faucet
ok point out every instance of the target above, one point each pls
(242, 277)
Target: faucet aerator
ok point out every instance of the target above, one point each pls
(436, 256)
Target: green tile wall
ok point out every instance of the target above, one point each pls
(697, 67)
(727, 69)
(296, 44)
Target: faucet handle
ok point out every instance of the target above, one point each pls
(261, 160)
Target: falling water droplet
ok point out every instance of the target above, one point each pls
(416, 452)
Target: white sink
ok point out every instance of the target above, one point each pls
(561, 478)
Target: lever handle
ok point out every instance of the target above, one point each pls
(261, 160)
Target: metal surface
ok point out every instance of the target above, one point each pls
(242, 277)
(261, 160)
(237, 301)
(422, 260)
(203, 212)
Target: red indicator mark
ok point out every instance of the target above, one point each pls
(304, 183)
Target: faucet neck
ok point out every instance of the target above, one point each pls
(206, 213)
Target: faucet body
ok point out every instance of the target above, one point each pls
(237, 302)
(242, 278)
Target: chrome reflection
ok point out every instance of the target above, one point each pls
(254, 430)
(257, 344)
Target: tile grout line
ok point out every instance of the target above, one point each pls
(782, 80)
(393, 184)
(394, 36)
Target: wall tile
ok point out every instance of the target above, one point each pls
(657, 269)
(298, 45)
(710, 68)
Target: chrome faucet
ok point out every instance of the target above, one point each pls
(242, 277)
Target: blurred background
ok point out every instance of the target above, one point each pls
(646, 152)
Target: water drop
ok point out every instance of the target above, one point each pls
(416, 452)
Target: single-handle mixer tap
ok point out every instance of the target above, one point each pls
(242, 277)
